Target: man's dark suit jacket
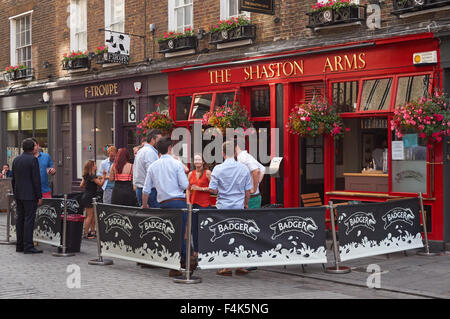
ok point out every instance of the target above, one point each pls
(26, 179)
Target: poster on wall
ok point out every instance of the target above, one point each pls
(380, 228)
(261, 237)
(149, 236)
(259, 6)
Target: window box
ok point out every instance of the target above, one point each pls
(80, 63)
(417, 6)
(243, 32)
(333, 17)
(18, 75)
(178, 44)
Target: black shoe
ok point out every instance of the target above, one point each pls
(19, 250)
(33, 251)
(251, 268)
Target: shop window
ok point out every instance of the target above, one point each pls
(104, 129)
(201, 105)
(160, 104)
(224, 99)
(409, 163)
(12, 144)
(41, 129)
(361, 157)
(376, 95)
(183, 106)
(412, 88)
(345, 96)
(260, 102)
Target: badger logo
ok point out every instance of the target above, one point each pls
(72, 205)
(47, 212)
(158, 225)
(398, 214)
(118, 221)
(294, 224)
(247, 228)
(360, 219)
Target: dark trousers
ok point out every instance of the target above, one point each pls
(26, 214)
(179, 204)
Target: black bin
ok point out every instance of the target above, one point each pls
(74, 232)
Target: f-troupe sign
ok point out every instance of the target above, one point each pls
(101, 90)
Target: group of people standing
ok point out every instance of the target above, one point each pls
(158, 179)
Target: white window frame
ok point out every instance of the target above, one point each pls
(76, 30)
(173, 16)
(109, 23)
(13, 27)
(225, 10)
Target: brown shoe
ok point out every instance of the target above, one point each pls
(175, 273)
(224, 272)
(241, 271)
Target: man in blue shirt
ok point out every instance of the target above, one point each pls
(106, 166)
(231, 181)
(46, 168)
(168, 177)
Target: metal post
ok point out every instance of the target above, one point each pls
(424, 223)
(337, 269)
(99, 261)
(8, 222)
(186, 278)
(64, 233)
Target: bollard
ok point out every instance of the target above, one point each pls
(337, 269)
(424, 223)
(8, 222)
(99, 261)
(186, 278)
(64, 247)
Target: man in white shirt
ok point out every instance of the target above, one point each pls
(144, 157)
(256, 170)
(106, 166)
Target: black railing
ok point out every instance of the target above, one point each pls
(80, 63)
(406, 6)
(180, 44)
(330, 17)
(17, 75)
(242, 32)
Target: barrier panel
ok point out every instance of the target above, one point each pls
(261, 237)
(73, 203)
(148, 236)
(381, 228)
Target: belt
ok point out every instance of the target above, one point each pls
(172, 199)
(255, 195)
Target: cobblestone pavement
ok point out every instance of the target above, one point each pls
(45, 276)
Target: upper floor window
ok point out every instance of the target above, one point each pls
(78, 25)
(115, 15)
(230, 9)
(21, 39)
(181, 15)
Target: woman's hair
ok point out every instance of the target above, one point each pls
(88, 165)
(122, 157)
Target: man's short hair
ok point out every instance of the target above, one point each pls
(110, 149)
(229, 146)
(163, 145)
(28, 145)
(153, 133)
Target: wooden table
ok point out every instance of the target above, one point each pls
(367, 182)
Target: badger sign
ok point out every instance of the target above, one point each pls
(381, 228)
(262, 237)
(118, 47)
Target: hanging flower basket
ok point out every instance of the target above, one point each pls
(428, 116)
(75, 60)
(314, 119)
(231, 115)
(155, 120)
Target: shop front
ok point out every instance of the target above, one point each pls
(363, 81)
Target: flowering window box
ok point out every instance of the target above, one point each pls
(243, 32)
(414, 7)
(17, 75)
(189, 43)
(336, 17)
(76, 64)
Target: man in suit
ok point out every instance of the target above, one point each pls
(26, 183)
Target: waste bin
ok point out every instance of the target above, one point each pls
(74, 232)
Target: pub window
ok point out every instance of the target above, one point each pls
(114, 15)
(160, 104)
(183, 105)
(78, 25)
(21, 44)
(361, 158)
(412, 88)
(409, 163)
(376, 95)
(345, 96)
(230, 9)
(180, 15)
(260, 102)
(201, 105)
(224, 98)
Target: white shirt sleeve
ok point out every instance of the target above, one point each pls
(148, 185)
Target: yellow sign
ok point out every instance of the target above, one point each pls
(101, 90)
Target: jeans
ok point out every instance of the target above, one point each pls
(152, 202)
(139, 195)
(180, 204)
(107, 193)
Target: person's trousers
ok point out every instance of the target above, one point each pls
(107, 193)
(26, 214)
(179, 204)
(152, 202)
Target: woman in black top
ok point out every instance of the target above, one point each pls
(90, 182)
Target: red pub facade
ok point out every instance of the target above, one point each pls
(364, 81)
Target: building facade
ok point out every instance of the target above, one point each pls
(361, 59)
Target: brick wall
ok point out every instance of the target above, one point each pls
(51, 34)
